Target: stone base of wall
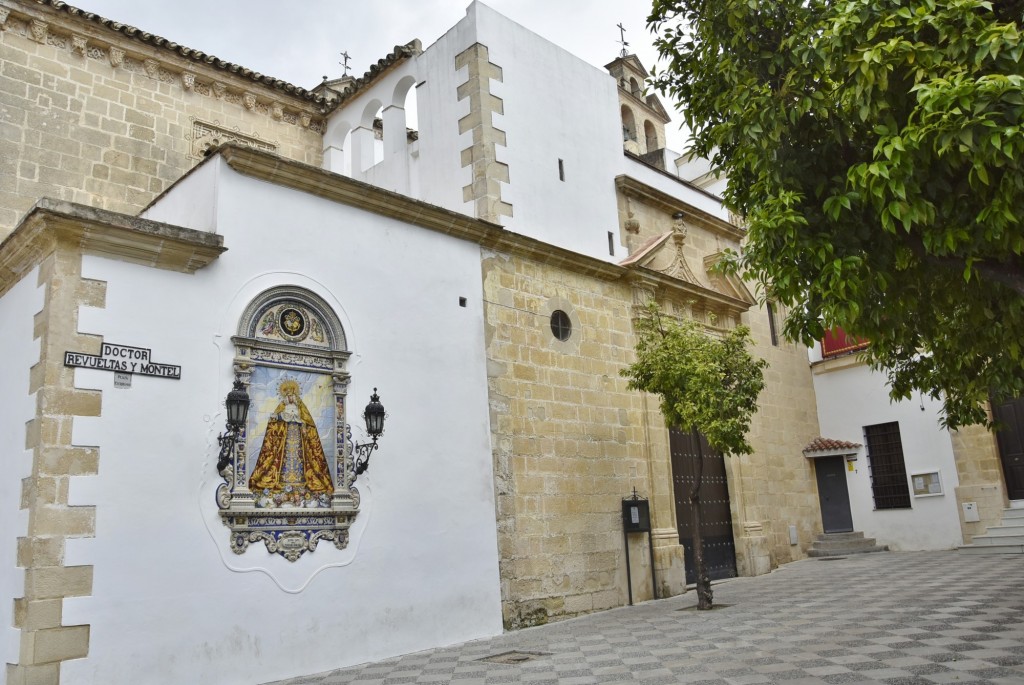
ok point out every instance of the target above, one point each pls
(991, 501)
(753, 552)
(669, 566)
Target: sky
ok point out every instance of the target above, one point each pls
(301, 41)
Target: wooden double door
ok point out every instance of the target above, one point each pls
(1010, 438)
(716, 524)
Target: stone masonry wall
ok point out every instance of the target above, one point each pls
(89, 115)
(45, 640)
(568, 440)
(775, 487)
(981, 478)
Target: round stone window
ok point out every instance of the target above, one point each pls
(561, 325)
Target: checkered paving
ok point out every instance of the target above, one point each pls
(898, 618)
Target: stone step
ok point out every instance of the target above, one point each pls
(853, 535)
(991, 549)
(843, 546)
(843, 552)
(838, 544)
(990, 539)
(1007, 538)
(1006, 529)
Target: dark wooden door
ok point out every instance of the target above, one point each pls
(716, 526)
(1011, 444)
(833, 494)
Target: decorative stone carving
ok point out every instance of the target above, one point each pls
(4, 13)
(249, 100)
(152, 68)
(305, 120)
(40, 30)
(679, 227)
(206, 135)
(726, 283)
(116, 57)
(289, 482)
(188, 80)
(680, 268)
(645, 291)
(79, 45)
(56, 40)
(277, 110)
(219, 89)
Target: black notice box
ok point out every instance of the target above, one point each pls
(636, 516)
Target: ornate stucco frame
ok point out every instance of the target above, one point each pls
(290, 532)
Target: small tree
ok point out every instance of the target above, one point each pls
(708, 385)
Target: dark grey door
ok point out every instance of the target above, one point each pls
(716, 519)
(833, 494)
(1011, 444)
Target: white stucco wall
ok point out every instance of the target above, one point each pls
(555, 107)
(169, 597)
(200, 214)
(667, 183)
(851, 398)
(18, 306)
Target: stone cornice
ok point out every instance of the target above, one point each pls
(681, 290)
(639, 190)
(331, 186)
(88, 33)
(106, 233)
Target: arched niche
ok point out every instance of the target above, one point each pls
(628, 124)
(650, 136)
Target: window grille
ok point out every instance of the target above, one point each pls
(888, 470)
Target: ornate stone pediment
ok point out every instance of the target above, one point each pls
(665, 254)
(727, 284)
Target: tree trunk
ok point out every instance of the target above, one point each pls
(704, 593)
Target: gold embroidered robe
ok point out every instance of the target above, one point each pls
(269, 465)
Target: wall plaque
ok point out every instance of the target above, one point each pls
(124, 359)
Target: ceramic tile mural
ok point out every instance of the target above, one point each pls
(289, 482)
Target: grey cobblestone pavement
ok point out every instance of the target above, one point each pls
(899, 618)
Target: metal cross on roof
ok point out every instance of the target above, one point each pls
(622, 40)
(344, 64)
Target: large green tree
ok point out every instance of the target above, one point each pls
(708, 385)
(874, 148)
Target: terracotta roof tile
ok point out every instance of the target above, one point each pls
(188, 53)
(826, 444)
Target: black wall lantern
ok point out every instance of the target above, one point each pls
(237, 404)
(374, 416)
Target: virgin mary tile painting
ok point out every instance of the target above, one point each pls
(291, 469)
